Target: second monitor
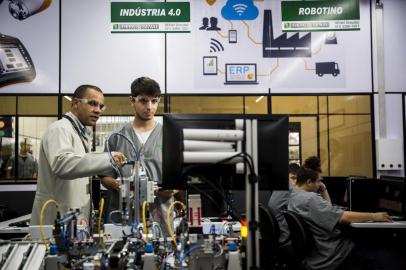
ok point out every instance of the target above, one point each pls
(197, 149)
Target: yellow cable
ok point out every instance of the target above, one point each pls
(101, 207)
(26, 237)
(41, 217)
(144, 219)
(168, 220)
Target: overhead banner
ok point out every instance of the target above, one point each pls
(323, 15)
(147, 17)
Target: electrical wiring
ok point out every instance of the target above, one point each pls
(101, 207)
(137, 154)
(221, 250)
(187, 252)
(41, 217)
(156, 225)
(168, 220)
(113, 164)
(115, 167)
(207, 195)
(246, 157)
(235, 213)
(144, 219)
(110, 217)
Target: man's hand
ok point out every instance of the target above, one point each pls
(110, 183)
(119, 158)
(322, 188)
(381, 216)
(166, 194)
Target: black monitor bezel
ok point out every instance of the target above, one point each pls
(173, 163)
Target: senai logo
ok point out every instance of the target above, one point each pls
(215, 45)
(240, 8)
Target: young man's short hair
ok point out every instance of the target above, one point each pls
(145, 86)
(303, 174)
(293, 168)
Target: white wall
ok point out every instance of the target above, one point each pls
(394, 124)
(394, 42)
(394, 72)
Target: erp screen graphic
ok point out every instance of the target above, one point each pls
(241, 74)
(15, 62)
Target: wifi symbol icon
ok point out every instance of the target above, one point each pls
(215, 45)
(240, 8)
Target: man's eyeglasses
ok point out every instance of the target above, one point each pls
(145, 100)
(93, 103)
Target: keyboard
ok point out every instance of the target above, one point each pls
(397, 218)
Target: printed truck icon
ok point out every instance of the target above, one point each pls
(327, 68)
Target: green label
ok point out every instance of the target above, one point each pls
(320, 10)
(321, 15)
(150, 12)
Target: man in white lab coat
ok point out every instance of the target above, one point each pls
(65, 160)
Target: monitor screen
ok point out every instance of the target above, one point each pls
(180, 170)
(362, 194)
(337, 187)
(391, 196)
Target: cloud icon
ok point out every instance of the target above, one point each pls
(239, 10)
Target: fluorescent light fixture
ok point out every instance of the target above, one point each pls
(259, 99)
(68, 98)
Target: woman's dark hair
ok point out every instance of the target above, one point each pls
(303, 174)
(313, 163)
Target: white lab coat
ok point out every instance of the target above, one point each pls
(64, 170)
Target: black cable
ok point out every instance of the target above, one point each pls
(234, 214)
(247, 158)
(205, 194)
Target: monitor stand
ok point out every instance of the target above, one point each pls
(251, 195)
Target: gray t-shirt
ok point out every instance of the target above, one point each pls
(277, 204)
(151, 160)
(331, 246)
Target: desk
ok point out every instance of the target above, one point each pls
(380, 225)
(384, 235)
(7, 232)
(385, 242)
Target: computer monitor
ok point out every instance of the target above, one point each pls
(180, 170)
(363, 194)
(337, 187)
(392, 195)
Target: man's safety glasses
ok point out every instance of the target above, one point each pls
(145, 100)
(93, 103)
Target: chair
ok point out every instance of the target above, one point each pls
(300, 235)
(274, 255)
(269, 232)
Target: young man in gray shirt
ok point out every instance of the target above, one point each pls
(146, 134)
(331, 246)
